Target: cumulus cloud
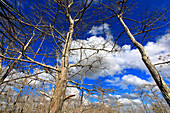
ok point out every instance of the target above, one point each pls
(41, 77)
(94, 56)
(128, 80)
(127, 99)
(129, 96)
(128, 58)
(73, 91)
(76, 92)
(37, 78)
(102, 29)
(132, 80)
(131, 58)
(160, 52)
(115, 96)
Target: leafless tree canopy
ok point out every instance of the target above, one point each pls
(43, 53)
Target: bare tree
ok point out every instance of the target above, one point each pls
(147, 25)
(42, 40)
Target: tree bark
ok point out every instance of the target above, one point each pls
(145, 58)
(61, 84)
(59, 93)
(0, 59)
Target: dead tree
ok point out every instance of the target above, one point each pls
(147, 26)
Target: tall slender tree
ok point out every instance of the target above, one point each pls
(147, 25)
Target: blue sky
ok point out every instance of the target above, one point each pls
(119, 70)
(125, 69)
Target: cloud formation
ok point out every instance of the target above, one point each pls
(127, 99)
(113, 63)
(132, 80)
(104, 28)
(128, 80)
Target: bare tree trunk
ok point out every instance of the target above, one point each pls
(153, 71)
(0, 59)
(59, 93)
(61, 84)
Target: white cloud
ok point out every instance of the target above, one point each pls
(116, 62)
(127, 80)
(129, 96)
(115, 96)
(100, 60)
(132, 80)
(41, 77)
(94, 96)
(104, 28)
(127, 101)
(114, 81)
(76, 92)
(73, 91)
(160, 48)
